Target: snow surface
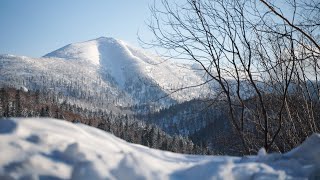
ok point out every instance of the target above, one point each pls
(34, 148)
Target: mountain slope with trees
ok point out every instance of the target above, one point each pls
(19, 103)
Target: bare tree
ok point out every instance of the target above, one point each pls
(255, 54)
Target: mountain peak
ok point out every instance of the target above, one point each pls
(107, 53)
(103, 38)
(109, 65)
(89, 51)
(102, 51)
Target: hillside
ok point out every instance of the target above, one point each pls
(54, 149)
(104, 72)
(17, 103)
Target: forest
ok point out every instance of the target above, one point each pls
(19, 103)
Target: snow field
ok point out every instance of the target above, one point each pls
(40, 148)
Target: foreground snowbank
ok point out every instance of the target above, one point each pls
(54, 149)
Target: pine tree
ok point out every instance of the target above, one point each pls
(18, 103)
(2, 103)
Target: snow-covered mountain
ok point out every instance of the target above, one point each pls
(106, 70)
(55, 149)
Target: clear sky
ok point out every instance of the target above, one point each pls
(36, 27)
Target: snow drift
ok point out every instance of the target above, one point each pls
(34, 148)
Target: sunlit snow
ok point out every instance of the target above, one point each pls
(34, 148)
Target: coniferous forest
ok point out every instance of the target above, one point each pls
(19, 103)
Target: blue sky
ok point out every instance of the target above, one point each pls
(36, 27)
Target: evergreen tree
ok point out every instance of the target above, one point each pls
(18, 104)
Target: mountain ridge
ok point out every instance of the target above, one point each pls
(105, 66)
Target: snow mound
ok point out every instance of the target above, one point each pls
(309, 150)
(40, 148)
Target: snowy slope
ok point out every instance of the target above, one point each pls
(73, 79)
(105, 68)
(124, 61)
(55, 149)
(128, 65)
